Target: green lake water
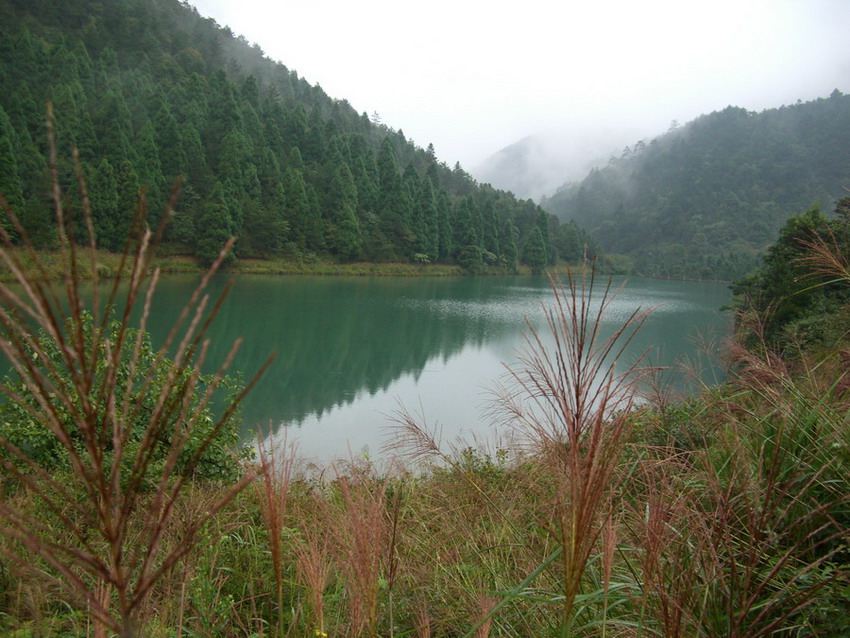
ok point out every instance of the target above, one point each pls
(350, 351)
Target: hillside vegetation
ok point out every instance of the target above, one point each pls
(126, 511)
(706, 199)
(148, 90)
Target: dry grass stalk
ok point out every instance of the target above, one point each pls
(314, 564)
(671, 540)
(575, 407)
(275, 469)
(362, 533)
(113, 537)
(825, 258)
(486, 606)
(423, 622)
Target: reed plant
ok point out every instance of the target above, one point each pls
(276, 467)
(362, 542)
(98, 539)
(573, 402)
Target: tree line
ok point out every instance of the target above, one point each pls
(706, 199)
(148, 90)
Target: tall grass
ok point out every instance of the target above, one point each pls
(575, 406)
(98, 542)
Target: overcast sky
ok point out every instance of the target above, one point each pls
(472, 76)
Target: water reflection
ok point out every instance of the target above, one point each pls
(350, 349)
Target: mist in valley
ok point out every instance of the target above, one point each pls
(537, 165)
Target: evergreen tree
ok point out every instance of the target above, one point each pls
(127, 190)
(264, 232)
(489, 227)
(534, 254)
(445, 243)
(427, 222)
(298, 212)
(270, 178)
(112, 125)
(10, 181)
(214, 227)
(103, 192)
(223, 116)
(509, 252)
(343, 232)
(149, 170)
(394, 204)
(466, 240)
(169, 141)
(365, 174)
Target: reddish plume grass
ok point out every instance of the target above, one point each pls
(275, 473)
(361, 527)
(825, 258)
(109, 554)
(574, 407)
(313, 556)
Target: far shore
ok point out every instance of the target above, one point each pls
(107, 264)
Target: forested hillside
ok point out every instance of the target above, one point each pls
(148, 90)
(706, 199)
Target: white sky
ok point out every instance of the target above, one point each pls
(473, 76)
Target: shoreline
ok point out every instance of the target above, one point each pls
(108, 263)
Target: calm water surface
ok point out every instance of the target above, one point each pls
(351, 350)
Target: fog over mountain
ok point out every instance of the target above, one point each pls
(705, 199)
(473, 77)
(537, 165)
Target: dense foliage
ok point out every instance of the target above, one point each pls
(706, 199)
(799, 292)
(149, 90)
(22, 429)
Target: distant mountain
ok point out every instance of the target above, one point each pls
(706, 199)
(149, 89)
(537, 165)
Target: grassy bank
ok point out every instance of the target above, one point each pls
(107, 265)
(720, 516)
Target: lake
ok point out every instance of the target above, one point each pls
(350, 350)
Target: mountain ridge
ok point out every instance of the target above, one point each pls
(705, 199)
(536, 165)
(149, 89)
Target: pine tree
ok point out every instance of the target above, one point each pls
(169, 140)
(149, 170)
(103, 192)
(534, 253)
(127, 191)
(343, 233)
(297, 210)
(214, 226)
(113, 127)
(427, 224)
(509, 252)
(466, 241)
(10, 180)
(445, 241)
(223, 116)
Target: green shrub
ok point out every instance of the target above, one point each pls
(20, 427)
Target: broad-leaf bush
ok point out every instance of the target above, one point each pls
(18, 425)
